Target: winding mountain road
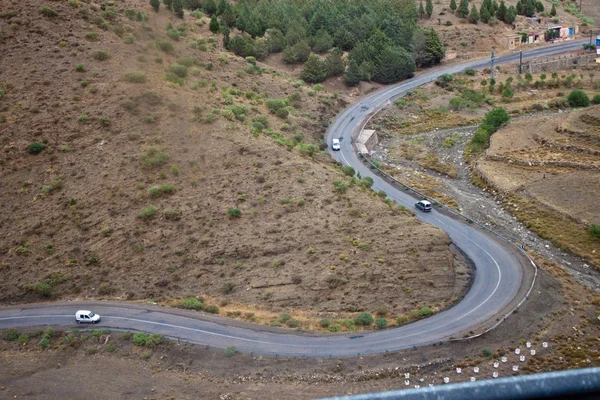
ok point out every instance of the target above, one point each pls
(502, 279)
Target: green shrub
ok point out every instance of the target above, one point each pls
(470, 71)
(230, 351)
(187, 61)
(381, 323)
(165, 46)
(127, 336)
(171, 77)
(135, 77)
(364, 319)
(595, 230)
(282, 113)
(35, 148)
(348, 170)
(158, 191)
(234, 212)
(43, 288)
(596, 98)
(44, 342)
(100, 55)
(91, 36)
(110, 347)
(140, 339)
(578, 98)
(211, 309)
(334, 328)
(11, 334)
(275, 104)
(80, 68)
(173, 34)
(285, 317)
(147, 212)
(425, 312)
(179, 70)
(401, 320)
(48, 12)
(487, 353)
(192, 303)
(23, 339)
(154, 157)
(324, 323)
(154, 340)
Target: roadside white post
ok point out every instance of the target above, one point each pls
(515, 368)
(532, 352)
(504, 359)
(495, 374)
(473, 379)
(446, 379)
(458, 370)
(517, 351)
(476, 370)
(496, 364)
(522, 358)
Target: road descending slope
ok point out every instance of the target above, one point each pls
(502, 278)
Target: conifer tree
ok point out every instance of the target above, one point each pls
(474, 15)
(214, 24)
(178, 8)
(501, 13)
(485, 14)
(463, 9)
(453, 5)
(553, 11)
(155, 4)
(429, 8)
(421, 10)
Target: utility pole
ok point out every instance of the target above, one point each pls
(493, 59)
(520, 61)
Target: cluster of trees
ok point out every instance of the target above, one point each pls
(489, 10)
(381, 37)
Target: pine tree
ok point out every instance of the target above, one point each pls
(539, 6)
(511, 15)
(453, 5)
(214, 24)
(315, 70)
(393, 64)
(529, 8)
(155, 4)
(429, 8)
(474, 15)
(501, 13)
(335, 63)
(463, 9)
(494, 8)
(178, 8)
(485, 14)
(421, 10)
(519, 7)
(169, 4)
(553, 11)
(352, 76)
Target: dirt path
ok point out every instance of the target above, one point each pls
(479, 204)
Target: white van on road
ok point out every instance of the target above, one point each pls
(86, 317)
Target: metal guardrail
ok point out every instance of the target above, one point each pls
(435, 202)
(570, 384)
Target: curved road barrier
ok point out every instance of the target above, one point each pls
(502, 277)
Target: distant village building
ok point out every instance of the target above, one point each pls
(533, 30)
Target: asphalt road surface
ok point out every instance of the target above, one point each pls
(501, 278)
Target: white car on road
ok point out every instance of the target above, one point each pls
(86, 317)
(335, 144)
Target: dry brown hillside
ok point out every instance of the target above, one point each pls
(548, 167)
(116, 182)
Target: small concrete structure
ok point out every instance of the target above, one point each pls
(509, 40)
(366, 141)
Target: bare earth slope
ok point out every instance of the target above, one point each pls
(119, 137)
(550, 168)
